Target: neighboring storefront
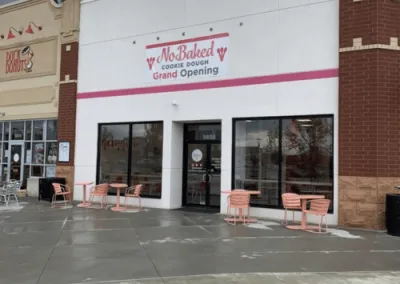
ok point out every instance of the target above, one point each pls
(198, 98)
(36, 76)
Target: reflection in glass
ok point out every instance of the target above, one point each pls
(37, 171)
(114, 154)
(301, 150)
(146, 159)
(6, 131)
(307, 156)
(38, 153)
(17, 130)
(38, 130)
(51, 131)
(5, 152)
(196, 174)
(51, 152)
(257, 159)
(50, 171)
(28, 153)
(28, 130)
(3, 172)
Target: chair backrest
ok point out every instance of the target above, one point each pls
(57, 188)
(320, 206)
(239, 199)
(138, 189)
(102, 188)
(291, 200)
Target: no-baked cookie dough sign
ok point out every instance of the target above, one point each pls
(188, 59)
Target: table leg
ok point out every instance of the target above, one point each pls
(118, 207)
(84, 204)
(118, 192)
(84, 195)
(303, 214)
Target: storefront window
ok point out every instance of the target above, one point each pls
(51, 130)
(38, 134)
(6, 131)
(307, 156)
(146, 158)
(276, 156)
(28, 130)
(143, 166)
(38, 144)
(17, 130)
(257, 159)
(5, 152)
(114, 154)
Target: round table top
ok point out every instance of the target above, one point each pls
(311, 196)
(241, 190)
(118, 185)
(84, 183)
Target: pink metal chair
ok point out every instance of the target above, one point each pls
(238, 200)
(100, 190)
(319, 207)
(61, 190)
(134, 192)
(292, 202)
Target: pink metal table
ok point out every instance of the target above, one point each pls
(251, 192)
(118, 187)
(84, 184)
(304, 198)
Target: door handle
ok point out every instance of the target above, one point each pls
(204, 178)
(209, 178)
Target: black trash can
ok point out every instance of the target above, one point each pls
(393, 214)
(46, 189)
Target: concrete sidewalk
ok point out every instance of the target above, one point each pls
(279, 278)
(40, 245)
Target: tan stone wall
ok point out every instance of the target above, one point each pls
(362, 201)
(37, 24)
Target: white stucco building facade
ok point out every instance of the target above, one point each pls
(280, 64)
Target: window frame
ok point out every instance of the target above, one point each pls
(129, 169)
(280, 119)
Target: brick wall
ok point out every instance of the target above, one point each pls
(69, 61)
(369, 127)
(373, 20)
(67, 107)
(369, 113)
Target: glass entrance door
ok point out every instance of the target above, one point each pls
(15, 160)
(197, 174)
(202, 156)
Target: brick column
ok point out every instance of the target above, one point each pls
(67, 107)
(369, 127)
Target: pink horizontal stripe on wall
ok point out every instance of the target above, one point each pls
(236, 82)
(186, 40)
